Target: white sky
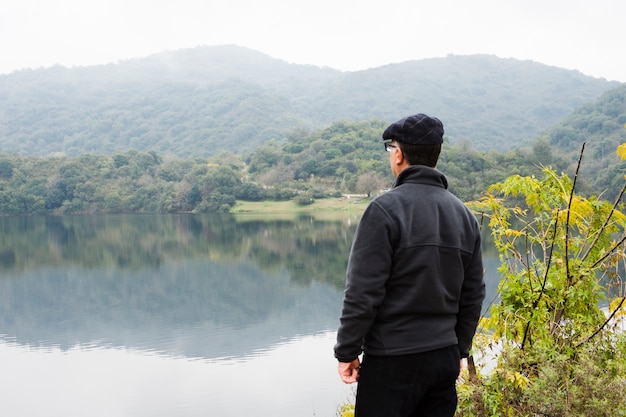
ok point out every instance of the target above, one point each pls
(586, 35)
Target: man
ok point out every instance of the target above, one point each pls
(414, 285)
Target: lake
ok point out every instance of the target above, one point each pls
(173, 315)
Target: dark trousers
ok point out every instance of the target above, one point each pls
(416, 385)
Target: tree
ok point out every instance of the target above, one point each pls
(542, 152)
(249, 192)
(369, 182)
(555, 351)
(6, 169)
(193, 196)
(265, 156)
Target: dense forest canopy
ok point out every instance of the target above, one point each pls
(201, 101)
(196, 130)
(601, 125)
(345, 157)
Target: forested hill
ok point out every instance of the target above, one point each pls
(601, 126)
(342, 158)
(202, 101)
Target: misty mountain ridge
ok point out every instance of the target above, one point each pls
(201, 101)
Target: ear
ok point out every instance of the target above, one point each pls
(399, 157)
(399, 162)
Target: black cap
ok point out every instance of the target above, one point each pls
(418, 129)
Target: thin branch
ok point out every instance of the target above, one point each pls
(569, 208)
(543, 285)
(607, 321)
(606, 255)
(528, 270)
(606, 222)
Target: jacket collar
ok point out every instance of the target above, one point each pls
(421, 174)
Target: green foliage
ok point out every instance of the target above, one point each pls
(305, 199)
(123, 182)
(345, 157)
(6, 170)
(600, 124)
(249, 192)
(201, 101)
(324, 162)
(554, 339)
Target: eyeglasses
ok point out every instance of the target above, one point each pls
(388, 146)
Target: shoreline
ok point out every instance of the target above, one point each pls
(351, 205)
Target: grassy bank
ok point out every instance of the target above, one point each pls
(326, 207)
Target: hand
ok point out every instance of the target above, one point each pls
(349, 371)
(463, 367)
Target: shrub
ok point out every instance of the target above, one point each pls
(553, 350)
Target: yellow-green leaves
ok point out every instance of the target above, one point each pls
(562, 257)
(621, 149)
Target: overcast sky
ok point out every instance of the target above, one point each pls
(586, 35)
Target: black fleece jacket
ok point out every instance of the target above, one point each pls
(414, 280)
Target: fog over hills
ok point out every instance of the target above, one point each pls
(200, 101)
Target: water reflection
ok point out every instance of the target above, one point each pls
(146, 242)
(117, 382)
(196, 286)
(193, 309)
(171, 314)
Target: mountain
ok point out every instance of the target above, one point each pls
(601, 126)
(201, 101)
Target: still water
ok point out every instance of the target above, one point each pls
(171, 315)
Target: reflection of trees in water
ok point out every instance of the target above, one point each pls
(203, 285)
(191, 308)
(311, 250)
(134, 241)
(200, 285)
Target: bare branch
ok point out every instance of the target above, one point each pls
(543, 285)
(606, 322)
(606, 222)
(569, 208)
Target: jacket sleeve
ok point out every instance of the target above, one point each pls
(472, 296)
(367, 273)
